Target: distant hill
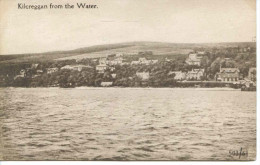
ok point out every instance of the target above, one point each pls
(158, 48)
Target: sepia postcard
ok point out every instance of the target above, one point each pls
(128, 80)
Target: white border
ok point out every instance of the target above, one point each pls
(257, 162)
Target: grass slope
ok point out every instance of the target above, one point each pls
(158, 48)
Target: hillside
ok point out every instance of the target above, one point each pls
(158, 48)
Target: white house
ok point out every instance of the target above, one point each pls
(22, 74)
(76, 67)
(195, 74)
(144, 61)
(195, 58)
(166, 59)
(106, 84)
(117, 61)
(39, 71)
(112, 69)
(154, 61)
(34, 66)
(113, 75)
(67, 67)
(143, 75)
(101, 68)
(119, 54)
(228, 74)
(52, 70)
(135, 62)
(201, 53)
(179, 75)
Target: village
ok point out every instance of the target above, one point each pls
(139, 70)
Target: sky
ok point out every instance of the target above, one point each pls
(115, 21)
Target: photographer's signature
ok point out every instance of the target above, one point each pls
(240, 153)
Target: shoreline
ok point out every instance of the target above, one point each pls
(135, 88)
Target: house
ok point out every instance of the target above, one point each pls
(228, 74)
(154, 61)
(34, 66)
(143, 75)
(75, 67)
(68, 67)
(195, 74)
(106, 84)
(81, 67)
(103, 60)
(101, 68)
(195, 58)
(36, 75)
(125, 63)
(52, 70)
(179, 75)
(193, 62)
(140, 61)
(144, 61)
(39, 71)
(113, 75)
(117, 61)
(112, 69)
(201, 52)
(135, 62)
(227, 59)
(252, 74)
(22, 74)
(167, 60)
(119, 54)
